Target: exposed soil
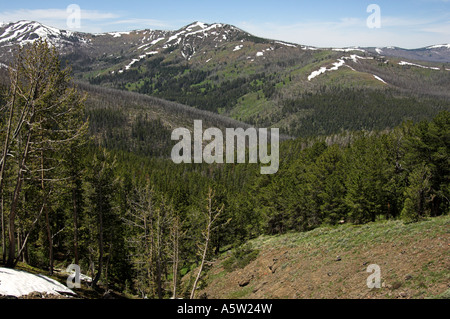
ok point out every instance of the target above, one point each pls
(410, 268)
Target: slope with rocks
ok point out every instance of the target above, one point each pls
(333, 263)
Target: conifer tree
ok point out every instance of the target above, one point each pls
(44, 112)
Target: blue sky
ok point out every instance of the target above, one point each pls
(322, 23)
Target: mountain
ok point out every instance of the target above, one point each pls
(133, 43)
(219, 68)
(434, 53)
(305, 266)
(24, 32)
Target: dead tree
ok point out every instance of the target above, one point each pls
(211, 215)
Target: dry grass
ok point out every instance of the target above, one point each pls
(332, 263)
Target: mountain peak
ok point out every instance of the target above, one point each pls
(195, 24)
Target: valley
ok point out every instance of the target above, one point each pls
(87, 178)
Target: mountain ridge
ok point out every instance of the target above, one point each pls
(266, 83)
(26, 31)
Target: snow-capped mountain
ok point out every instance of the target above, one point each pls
(120, 51)
(24, 32)
(433, 53)
(220, 68)
(189, 40)
(200, 43)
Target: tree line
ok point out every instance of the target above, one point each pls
(144, 226)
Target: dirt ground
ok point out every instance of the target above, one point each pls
(416, 269)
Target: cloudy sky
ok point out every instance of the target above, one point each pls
(322, 23)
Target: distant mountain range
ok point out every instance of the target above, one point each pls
(190, 36)
(223, 69)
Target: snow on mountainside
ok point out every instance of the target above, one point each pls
(433, 53)
(447, 46)
(120, 51)
(129, 44)
(24, 32)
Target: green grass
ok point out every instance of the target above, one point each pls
(240, 258)
(241, 293)
(347, 237)
(412, 257)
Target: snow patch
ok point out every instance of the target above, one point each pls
(196, 24)
(205, 29)
(340, 62)
(119, 34)
(237, 48)
(335, 66)
(378, 78)
(156, 41)
(19, 283)
(175, 36)
(355, 58)
(127, 67)
(309, 48)
(286, 44)
(259, 53)
(349, 49)
(437, 46)
(418, 65)
(143, 46)
(131, 63)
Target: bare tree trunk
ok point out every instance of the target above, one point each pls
(28, 234)
(100, 248)
(47, 219)
(50, 241)
(205, 251)
(18, 243)
(13, 211)
(159, 257)
(7, 137)
(107, 264)
(75, 226)
(3, 163)
(3, 229)
(211, 217)
(175, 238)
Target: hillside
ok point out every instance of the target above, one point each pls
(371, 145)
(303, 90)
(332, 262)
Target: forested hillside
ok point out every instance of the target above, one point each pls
(86, 183)
(303, 90)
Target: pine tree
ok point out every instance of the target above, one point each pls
(44, 112)
(102, 186)
(417, 195)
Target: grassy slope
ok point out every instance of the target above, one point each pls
(332, 263)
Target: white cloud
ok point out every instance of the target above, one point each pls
(145, 23)
(442, 29)
(91, 20)
(395, 31)
(58, 17)
(52, 14)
